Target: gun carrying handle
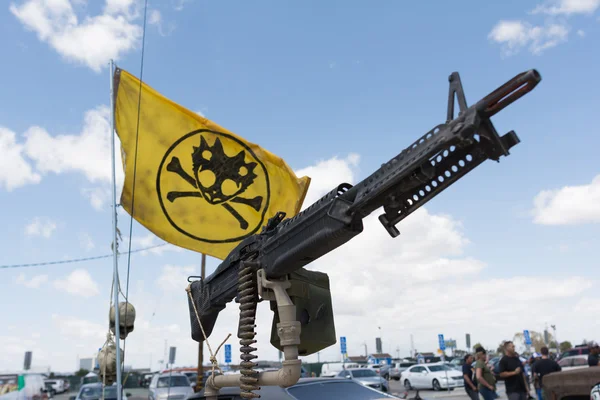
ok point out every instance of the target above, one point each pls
(511, 91)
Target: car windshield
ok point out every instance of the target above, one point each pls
(438, 368)
(95, 392)
(347, 390)
(175, 381)
(363, 373)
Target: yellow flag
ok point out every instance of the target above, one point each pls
(197, 185)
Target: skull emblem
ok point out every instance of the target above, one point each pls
(219, 177)
(126, 319)
(107, 359)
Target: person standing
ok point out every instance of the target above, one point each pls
(486, 382)
(541, 368)
(511, 370)
(467, 371)
(593, 356)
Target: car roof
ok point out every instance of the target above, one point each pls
(166, 374)
(354, 369)
(272, 389)
(91, 384)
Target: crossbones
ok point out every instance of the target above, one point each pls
(175, 166)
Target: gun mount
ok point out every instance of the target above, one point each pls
(402, 185)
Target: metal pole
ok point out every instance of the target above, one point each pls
(200, 377)
(114, 227)
(556, 341)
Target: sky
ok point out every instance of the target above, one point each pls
(335, 88)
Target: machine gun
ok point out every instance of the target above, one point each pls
(270, 264)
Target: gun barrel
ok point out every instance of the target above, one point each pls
(509, 92)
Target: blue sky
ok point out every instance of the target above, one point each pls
(317, 84)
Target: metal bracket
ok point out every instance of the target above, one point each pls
(456, 88)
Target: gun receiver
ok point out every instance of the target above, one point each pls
(406, 182)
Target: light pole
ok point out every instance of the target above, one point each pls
(556, 340)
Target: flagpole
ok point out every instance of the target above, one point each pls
(200, 377)
(114, 227)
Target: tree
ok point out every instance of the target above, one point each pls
(500, 349)
(82, 372)
(564, 346)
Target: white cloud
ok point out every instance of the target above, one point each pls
(86, 241)
(78, 283)
(567, 7)
(79, 328)
(178, 6)
(40, 226)
(87, 40)
(581, 33)
(15, 169)
(149, 240)
(88, 152)
(569, 205)
(514, 35)
(337, 170)
(155, 18)
(175, 278)
(33, 283)
(99, 197)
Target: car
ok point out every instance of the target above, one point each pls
(394, 370)
(579, 350)
(573, 362)
(365, 376)
(171, 385)
(22, 386)
(434, 376)
(93, 391)
(57, 385)
(308, 389)
(331, 369)
(146, 379)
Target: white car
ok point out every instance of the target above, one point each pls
(435, 376)
(366, 377)
(170, 386)
(573, 362)
(58, 385)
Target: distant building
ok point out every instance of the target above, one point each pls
(379, 358)
(86, 363)
(357, 359)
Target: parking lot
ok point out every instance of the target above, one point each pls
(136, 394)
(397, 389)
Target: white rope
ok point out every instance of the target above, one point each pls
(213, 356)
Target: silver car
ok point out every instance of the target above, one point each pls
(365, 376)
(170, 386)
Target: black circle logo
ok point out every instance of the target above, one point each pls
(212, 187)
